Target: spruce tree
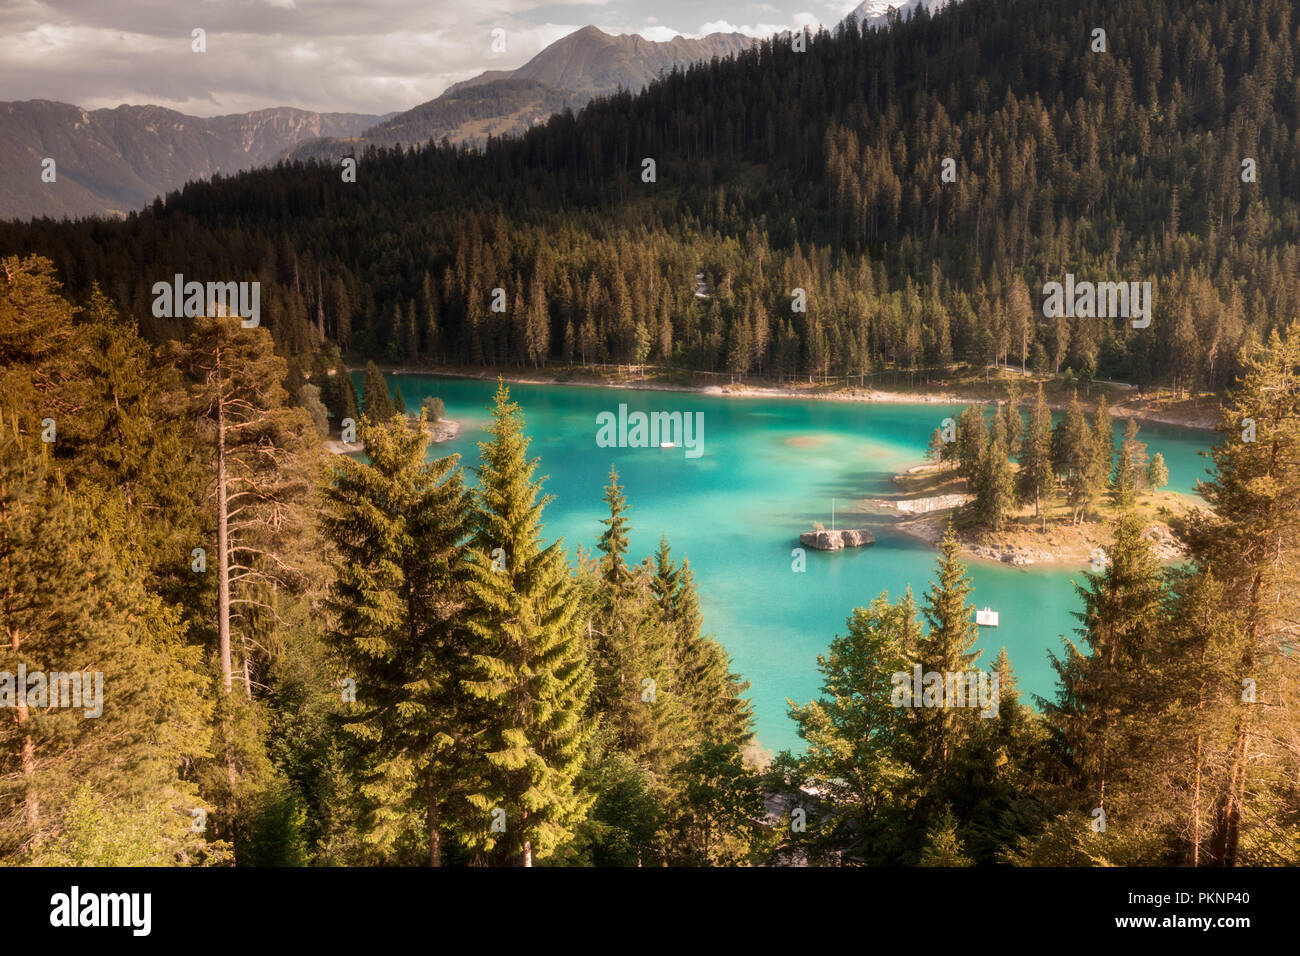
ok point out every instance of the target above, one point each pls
(947, 647)
(1035, 480)
(995, 491)
(713, 694)
(1103, 452)
(1074, 457)
(1129, 471)
(1012, 421)
(377, 403)
(528, 666)
(972, 442)
(399, 526)
(350, 407)
(613, 542)
(1106, 688)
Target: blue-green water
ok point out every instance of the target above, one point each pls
(769, 469)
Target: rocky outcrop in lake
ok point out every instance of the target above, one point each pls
(836, 540)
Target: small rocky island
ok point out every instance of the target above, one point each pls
(444, 429)
(824, 540)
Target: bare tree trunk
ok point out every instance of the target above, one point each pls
(223, 540)
(1227, 829)
(31, 801)
(431, 823)
(1196, 807)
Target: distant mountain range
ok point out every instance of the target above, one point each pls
(111, 161)
(568, 73)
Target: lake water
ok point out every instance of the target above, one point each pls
(769, 469)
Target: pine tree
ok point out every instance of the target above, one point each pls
(855, 730)
(1074, 457)
(119, 705)
(529, 667)
(1105, 698)
(1035, 480)
(1157, 472)
(1129, 468)
(375, 399)
(947, 648)
(995, 491)
(972, 443)
(260, 448)
(613, 542)
(935, 450)
(399, 525)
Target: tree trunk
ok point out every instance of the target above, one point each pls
(1196, 807)
(431, 824)
(223, 540)
(1227, 828)
(32, 803)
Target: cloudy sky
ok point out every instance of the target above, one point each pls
(366, 56)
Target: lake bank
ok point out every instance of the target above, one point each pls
(931, 496)
(1199, 413)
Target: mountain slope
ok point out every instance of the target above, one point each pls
(591, 62)
(111, 161)
(568, 73)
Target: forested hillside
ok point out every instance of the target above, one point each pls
(818, 170)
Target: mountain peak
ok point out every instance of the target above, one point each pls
(875, 13)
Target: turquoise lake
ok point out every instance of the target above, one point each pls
(770, 468)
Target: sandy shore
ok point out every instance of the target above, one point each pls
(928, 497)
(1185, 414)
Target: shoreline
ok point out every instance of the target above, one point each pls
(1063, 546)
(1023, 546)
(1195, 420)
